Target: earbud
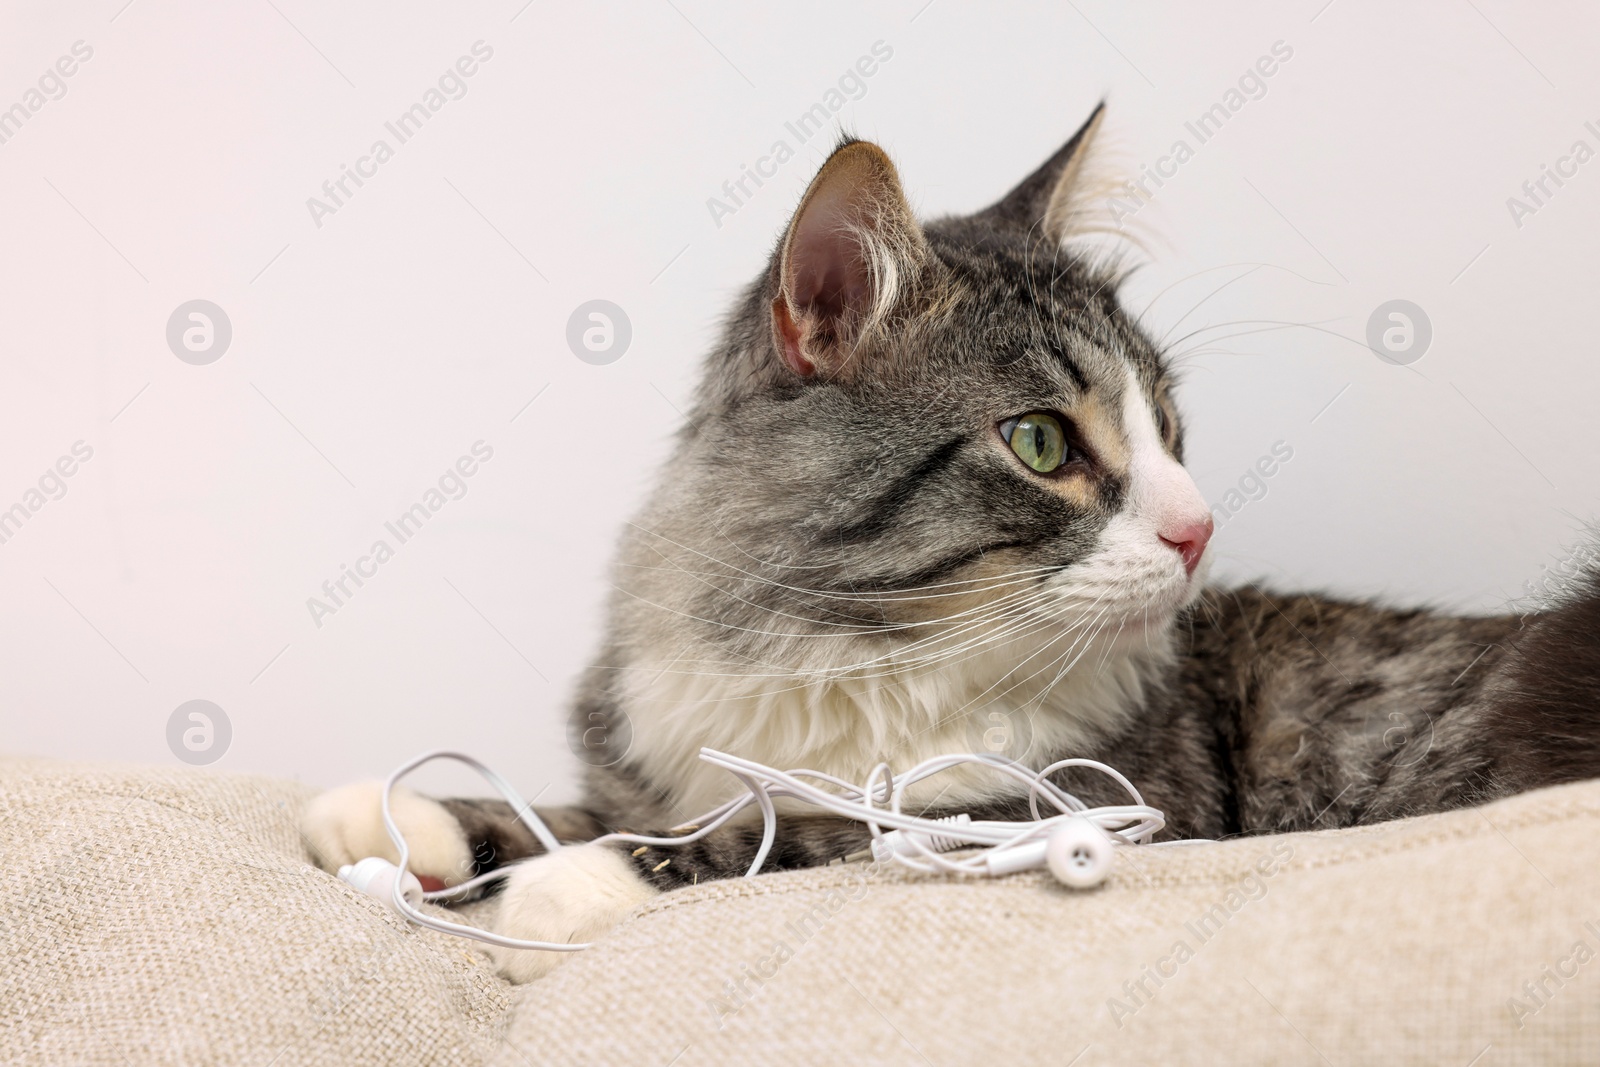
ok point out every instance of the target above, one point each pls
(1078, 854)
(375, 876)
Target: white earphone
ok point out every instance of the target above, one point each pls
(375, 876)
(1076, 843)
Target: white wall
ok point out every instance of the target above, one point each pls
(372, 351)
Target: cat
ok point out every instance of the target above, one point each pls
(930, 499)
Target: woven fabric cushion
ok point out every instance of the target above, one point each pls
(172, 916)
(1407, 943)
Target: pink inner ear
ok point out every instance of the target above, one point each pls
(789, 340)
(829, 281)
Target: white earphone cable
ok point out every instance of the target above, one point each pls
(1075, 842)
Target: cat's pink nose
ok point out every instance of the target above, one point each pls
(1190, 541)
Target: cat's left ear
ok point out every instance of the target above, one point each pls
(851, 256)
(1051, 200)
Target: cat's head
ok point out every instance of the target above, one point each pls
(922, 438)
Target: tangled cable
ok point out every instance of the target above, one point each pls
(1075, 842)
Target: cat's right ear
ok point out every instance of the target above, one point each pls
(1052, 201)
(852, 251)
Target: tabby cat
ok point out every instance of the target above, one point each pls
(931, 499)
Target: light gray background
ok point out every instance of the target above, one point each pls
(369, 353)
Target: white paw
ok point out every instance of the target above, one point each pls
(345, 825)
(576, 894)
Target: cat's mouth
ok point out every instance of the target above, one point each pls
(1133, 590)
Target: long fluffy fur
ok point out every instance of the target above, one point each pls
(852, 567)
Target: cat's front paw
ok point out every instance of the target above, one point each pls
(576, 894)
(345, 825)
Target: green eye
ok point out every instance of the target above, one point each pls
(1039, 441)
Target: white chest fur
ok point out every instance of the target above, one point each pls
(1016, 698)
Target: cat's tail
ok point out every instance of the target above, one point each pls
(1545, 695)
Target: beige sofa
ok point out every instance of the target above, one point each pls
(167, 916)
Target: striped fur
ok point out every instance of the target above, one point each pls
(843, 563)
